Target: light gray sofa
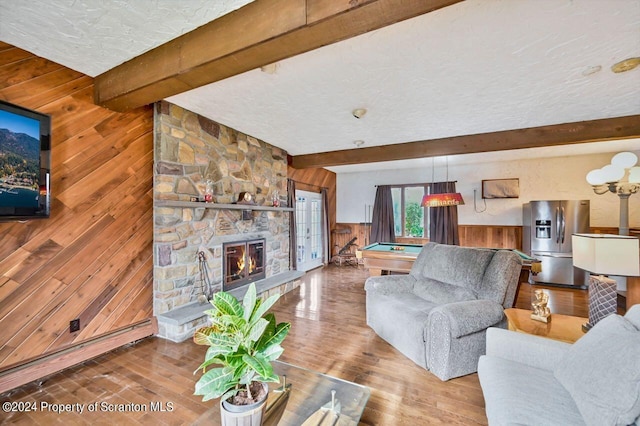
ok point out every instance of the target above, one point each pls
(437, 315)
(531, 380)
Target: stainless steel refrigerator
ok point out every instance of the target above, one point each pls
(547, 229)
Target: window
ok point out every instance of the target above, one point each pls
(409, 216)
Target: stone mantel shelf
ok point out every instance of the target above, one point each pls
(196, 204)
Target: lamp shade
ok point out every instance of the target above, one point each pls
(607, 254)
(442, 200)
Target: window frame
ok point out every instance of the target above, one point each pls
(402, 187)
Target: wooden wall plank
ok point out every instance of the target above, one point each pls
(313, 180)
(84, 261)
(47, 88)
(493, 236)
(35, 369)
(17, 72)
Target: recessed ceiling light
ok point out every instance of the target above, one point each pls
(269, 68)
(626, 65)
(359, 112)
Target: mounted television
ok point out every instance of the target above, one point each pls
(25, 162)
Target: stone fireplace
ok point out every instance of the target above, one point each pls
(243, 262)
(191, 154)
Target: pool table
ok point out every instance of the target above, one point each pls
(387, 257)
(382, 258)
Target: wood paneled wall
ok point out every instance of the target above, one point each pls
(313, 180)
(92, 259)
(494, 236)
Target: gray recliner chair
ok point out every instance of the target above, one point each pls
(437, 315)
(532, 380)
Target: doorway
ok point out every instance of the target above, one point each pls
(309, 238)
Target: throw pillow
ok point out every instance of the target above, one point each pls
(601, 371)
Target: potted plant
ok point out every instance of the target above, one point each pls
(243, 340)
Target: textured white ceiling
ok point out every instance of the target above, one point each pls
(477, 66)
(93, 36)
(474, 67)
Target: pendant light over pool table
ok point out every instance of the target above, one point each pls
(445, 199)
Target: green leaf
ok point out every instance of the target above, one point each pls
(207, 363)
(226, 304)
(248, 377)
(262, 367)
(264, 307)
(269, 331)
(273, 352)
(255, 332)
(225, 322)
(236, 362)
(214, 383)
(222, 341)
(258, 364)
(277, 336)
(218, 351)
(249, 301)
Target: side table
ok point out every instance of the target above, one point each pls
(565, 328)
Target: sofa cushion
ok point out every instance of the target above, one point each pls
(518, 394)
(601, 371)
(441, 293)
(401, 319)
(633, 315)
(501, 273)
(461, 266)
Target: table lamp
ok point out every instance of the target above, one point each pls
(605, 254)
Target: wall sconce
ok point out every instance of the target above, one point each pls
(610, 179)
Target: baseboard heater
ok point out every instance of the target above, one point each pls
(49, 364)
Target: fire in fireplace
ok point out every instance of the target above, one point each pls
(243, 263)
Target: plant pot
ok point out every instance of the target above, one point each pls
(243, 415)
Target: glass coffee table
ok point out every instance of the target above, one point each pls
(305, 397)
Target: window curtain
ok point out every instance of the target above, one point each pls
(291, 202)
(326, 244)
(443, 226)
(382, 226)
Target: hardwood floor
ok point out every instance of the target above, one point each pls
(328, 334)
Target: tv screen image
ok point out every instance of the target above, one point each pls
(24, 163)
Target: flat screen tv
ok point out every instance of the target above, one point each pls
(25, 163)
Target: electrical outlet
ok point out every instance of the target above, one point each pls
(74, 325)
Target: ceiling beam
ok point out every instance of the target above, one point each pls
(258, 34)
(534, 137)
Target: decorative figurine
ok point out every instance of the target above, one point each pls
(208, 192)
(541, 311)
(246, 198)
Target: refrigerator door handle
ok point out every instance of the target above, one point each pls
(557, 225)
(554, 255)
(563, 224)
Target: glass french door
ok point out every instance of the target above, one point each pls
(309, 239)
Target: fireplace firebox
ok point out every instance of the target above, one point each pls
(243, 262)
